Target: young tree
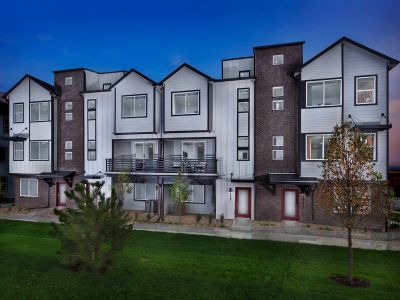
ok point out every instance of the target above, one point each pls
(180, 193)
(123, 184)
(91, 234)
(350, 186)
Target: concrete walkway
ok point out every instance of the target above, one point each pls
(244, 229)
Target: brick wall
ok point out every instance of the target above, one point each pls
(35, 202)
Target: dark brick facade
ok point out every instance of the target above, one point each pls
(35, 202)
(70, 130)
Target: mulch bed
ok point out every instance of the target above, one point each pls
(357, 282)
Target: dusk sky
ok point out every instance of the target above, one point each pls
(154, 37)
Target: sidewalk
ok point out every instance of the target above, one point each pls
(246, 229)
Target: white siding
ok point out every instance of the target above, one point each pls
(320, 119)
(134, 84)
(186, 80)
(95, 81)
(311, 169)
(328, 65)
(231, 68)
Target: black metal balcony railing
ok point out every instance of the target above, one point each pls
(171, 164)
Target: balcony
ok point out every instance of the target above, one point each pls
(171, 164)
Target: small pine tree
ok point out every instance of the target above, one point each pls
(180, 193)
(91, 234)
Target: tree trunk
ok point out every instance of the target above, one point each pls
(350, 255)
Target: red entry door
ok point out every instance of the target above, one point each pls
(243, 202)
(290, 204)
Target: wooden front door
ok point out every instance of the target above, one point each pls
(243, 202)
(290, 204)
(61, 197)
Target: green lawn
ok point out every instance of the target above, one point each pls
(175, 266)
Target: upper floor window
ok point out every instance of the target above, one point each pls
(91, 106)
(244, 74)
(18, 150)
(186, 103)
(277, 104)
(68, 105)
(39, 150)
(134, 106)
(324, 93)
(193, 149)
(277, 91)
(68, 116)
(28, 187)
(317, 146)
(40, 111)
(68, 80)
(277, 141)
(243, 119)
(68, 145)
(106, 86)
(277, 59)
(277, 154)
(366, 90)
(68, 155)
(18, 114)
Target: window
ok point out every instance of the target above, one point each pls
(370, 140)
(6, 125)
(68, 155)
(3, 184)
(18, 150)
(91, 104)
(28, 187)
(277, 59)
(193, 149)
(39, 150)
(145, 191)
(68, 145)
(317, 146)
(3, 154)
(68, 105)
(277, 91)
(277, 141)
(106, 86)
(18, 116)
(277, 154)
(91, 115)
(243, 118)
(324, 93)
(68, 116)
(40, 111)
(244, 74)
(134, 106)
(186, 103)
(92, 145)
(68, 80)
(277, 104)
(366, 90)
(91, 155)
(197, 194)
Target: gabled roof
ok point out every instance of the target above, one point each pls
(86, 69)
(133, 71)
(391, 61)
(187, 66)
(43, 84)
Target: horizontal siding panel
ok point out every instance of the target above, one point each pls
(320, 119)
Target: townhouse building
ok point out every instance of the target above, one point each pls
(250, 144)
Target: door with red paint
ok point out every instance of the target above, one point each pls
(243, 202)
(290, 204)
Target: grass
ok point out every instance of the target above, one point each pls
(176, 266)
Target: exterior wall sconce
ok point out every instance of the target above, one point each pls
(230, 194)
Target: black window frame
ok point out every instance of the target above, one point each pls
(245, 71)
(180, 92)
(92, 109)
(30, 111)
(133, 117)
(248, 125)
(355, 89)
(23, 112)
(38, 141)
(107, 84)
(23, 151)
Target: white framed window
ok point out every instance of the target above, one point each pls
(28, 187)
(145, 191)
(370, 140)
(68, 145)
(40, 111)
(39, 150)
(277, 141)
(18, 150)
(68, 105)
(277, 59)
(134, 106)
(365, 90)
(277, 104)
(18, 114)
(186, 103)
(68, 116)
(277, 154)
(197, 194)
(68, 80)
(277, 91)
(324, 93)
(317, 146)
(68, 155)
(244, 74)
